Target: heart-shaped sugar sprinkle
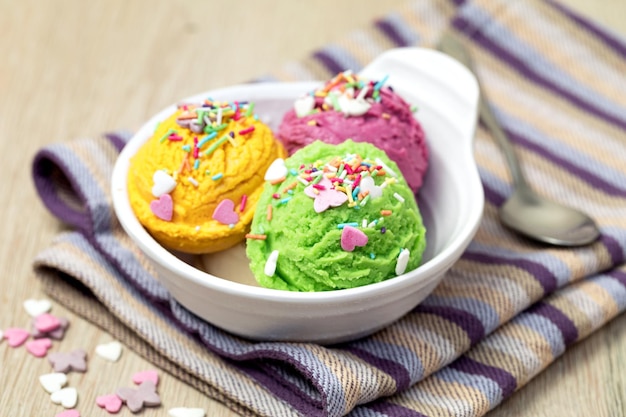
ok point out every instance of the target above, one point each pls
(304, 105)
(67, 397)
(110, 351)
(276, 170)
(39, 347)
(225, 212)
(352, 237)
(150, 375)
(56, 334)
(15, 336)
(46, 323)
(368, 184)
(53, 382)
(353, 107)
(163, 208)
(163, 183)
(112, 403)
(37, 307)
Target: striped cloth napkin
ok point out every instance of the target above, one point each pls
(507, 308)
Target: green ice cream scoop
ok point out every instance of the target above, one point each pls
(342, 217)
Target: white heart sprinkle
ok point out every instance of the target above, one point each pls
(37, 307)
(163, 183)
(276, 170)
(53, 382)
(270, 265)
(353, 107)
(368, 184)
(403, 260)
(186, 412)
(304, 105)
(67, 397)
(110, 351)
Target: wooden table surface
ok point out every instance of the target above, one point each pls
(71, 68)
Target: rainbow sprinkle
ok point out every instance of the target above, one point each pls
(348, 85)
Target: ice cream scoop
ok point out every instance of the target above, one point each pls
(350, 107)
(194, 184)
(342, 217)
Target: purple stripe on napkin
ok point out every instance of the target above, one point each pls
(610, 39)
(565, 325)
(480, 37)
(505, 380)
(329, 62)
(466, 321)
(391, 32)
(398, 372)
(546, 278)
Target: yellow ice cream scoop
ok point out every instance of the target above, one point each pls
(195, 183)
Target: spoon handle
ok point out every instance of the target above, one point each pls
(451, 46)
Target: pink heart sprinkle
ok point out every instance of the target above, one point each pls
(163, 208)
(15, 336)
(142, 376)
(352, 237)
(39, 347)
(68, 413)
(112, 403)
(46, 323)
(225, 212)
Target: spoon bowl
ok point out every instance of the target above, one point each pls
(542, 219)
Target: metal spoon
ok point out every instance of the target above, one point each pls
(526, 211)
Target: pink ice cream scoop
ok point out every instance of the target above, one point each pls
(365, 111)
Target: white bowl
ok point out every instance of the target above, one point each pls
(451, 201)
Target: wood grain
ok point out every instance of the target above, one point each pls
(71, 68)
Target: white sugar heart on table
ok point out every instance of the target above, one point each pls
(37, 307)
(67, 397)
(110, 351)
(53, 382)
(276, 170)
(186, 412)
(163, 183)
